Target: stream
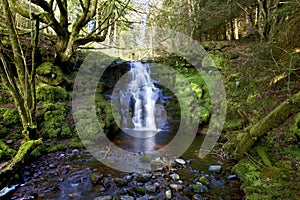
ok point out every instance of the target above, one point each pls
(76, 174)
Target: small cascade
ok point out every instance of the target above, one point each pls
(138, 99)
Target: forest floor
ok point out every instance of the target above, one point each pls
(256, 83)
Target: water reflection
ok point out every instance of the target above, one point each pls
(142, 141)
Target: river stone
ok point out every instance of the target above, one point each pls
(96, 177)
(150, 188)
(9, 141)
(52, 165)
(108, 197)
(180, 161)
(188, 190)
(176, 186)
(102, 188)
(144, 177)
(168, 194)
(199, 188)
(232, 177)
(143, 198)
(120, 181)
(126, 197)
(75, 152)
(140, 190)
(175, 176)
(215, 168)
(197, 197)
(203, 180)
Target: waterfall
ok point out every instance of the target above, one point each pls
(138, 99)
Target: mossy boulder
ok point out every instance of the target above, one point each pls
(10, 116)
(49, 93)
(262, 182)
(53, 125)
(50, 74)
(6, 152)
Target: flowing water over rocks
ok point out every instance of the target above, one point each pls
(75, 174)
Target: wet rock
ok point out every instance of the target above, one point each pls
(176, 187)
(180, 161)
(140, 190)
(128, 178)
(188, 190)
(143, 198)
(203, 180)
(197, 197)
(145, 177)
(174, 176)
(52, 165)
(108, 197)
(96, 177)
(75, 152)
(126, 197)
(9, 141)
(107, 182)
(120, 181)
(232, 177)
(6, 190)
(102, 189)
(215, 168)
(199, 188)
(150, 188)
(168, 194)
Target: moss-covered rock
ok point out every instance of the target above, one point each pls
(53, 125)
(261, 182)
(49, 74)
(10, 117)
(48, 93)
(6, 152)
(76, 144)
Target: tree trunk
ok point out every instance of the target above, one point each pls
(279, 115)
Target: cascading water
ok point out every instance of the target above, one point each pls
(138, 99)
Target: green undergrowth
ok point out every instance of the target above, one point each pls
(271, 170)
(196, 83)
(48, 93)
(257, 79)
(53, 118)
(6, 152)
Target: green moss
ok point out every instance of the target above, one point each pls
(23, 151)
(59, 147)
(218, 59)
(295, 128)
(76, 144)
(66, 132)
(6, 152)
(53, 121)
(50, 74)
(39, 151)
(48, 93)
(261, 152)
(259, 182)
(10, 117)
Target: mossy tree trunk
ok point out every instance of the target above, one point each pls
(70, 34)
(275, 118)
(19, 77)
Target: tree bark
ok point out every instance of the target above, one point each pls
(279, 115)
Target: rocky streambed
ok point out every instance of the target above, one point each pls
(75, 174)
